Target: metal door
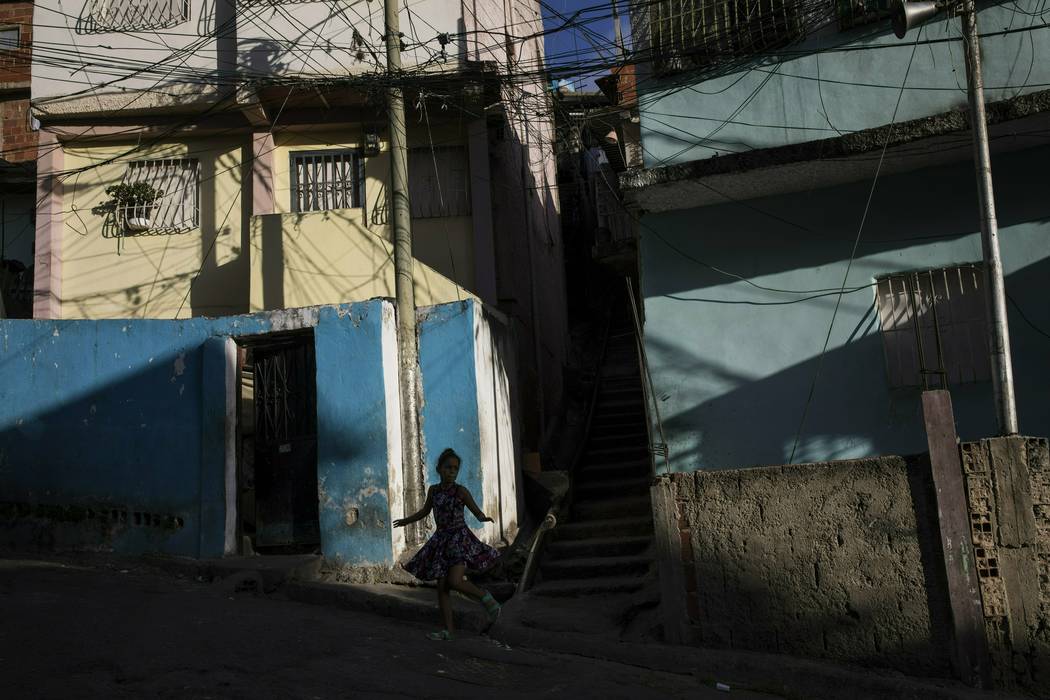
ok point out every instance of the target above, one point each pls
(286, 443)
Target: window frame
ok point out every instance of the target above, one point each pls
(18, 37)
(195, 164)
(937, 325)
(358, 186)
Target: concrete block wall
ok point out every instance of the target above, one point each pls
(826, 560)
(1008, 491)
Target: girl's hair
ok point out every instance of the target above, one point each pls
(447, 454)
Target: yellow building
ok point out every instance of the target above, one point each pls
(255, 221)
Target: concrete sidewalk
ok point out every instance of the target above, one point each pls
(295, 578)
(771, 673)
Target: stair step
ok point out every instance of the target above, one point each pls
(625, 452)
(595, 567)
(612, 488)
(636, 468)
(618, 417)
(624, 405)
(600, 529)
(599, 547)
(573, 588)
(606, 508)
(610, 439)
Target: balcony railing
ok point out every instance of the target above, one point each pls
(135, 15)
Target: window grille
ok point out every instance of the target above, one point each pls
(178, 179)
(324, 180)
(684, 32)
(934, 326)
(131, 15)
(443, 167)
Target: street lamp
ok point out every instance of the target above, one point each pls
(904, 16)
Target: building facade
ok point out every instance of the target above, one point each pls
(17, 161)
(809, 235)
(261, 132)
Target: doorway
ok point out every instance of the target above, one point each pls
(277, 445)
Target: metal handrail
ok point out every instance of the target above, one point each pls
(550, 521)
(655, 448)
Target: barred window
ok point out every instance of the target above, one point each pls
(333, 179)
(684, 33)
(178, 179)
(439, 182)
(934, 323)
(132, 15)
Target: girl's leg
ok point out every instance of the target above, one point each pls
(457, 580)
(445, 602)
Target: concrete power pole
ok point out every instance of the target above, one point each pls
(999, 337)
(401, 218)
(905, 15)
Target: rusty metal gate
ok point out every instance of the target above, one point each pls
(286, 444)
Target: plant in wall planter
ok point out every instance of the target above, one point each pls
(131, 204)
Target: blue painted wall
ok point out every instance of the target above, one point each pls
(352, 472)
(779, 100)
(733, 364)
(129, 416)
(450, 412)
(109, 415)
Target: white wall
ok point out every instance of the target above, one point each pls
(309, 39)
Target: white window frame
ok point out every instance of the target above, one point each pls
(178, 209)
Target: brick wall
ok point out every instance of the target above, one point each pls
(17, 141)
(15, 65)
(824, 560)
(1008, 491)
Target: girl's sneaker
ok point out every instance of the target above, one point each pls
(442, 636)
(492, 608)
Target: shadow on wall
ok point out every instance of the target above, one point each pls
(808, 230)
(853, 412)
(77, 467)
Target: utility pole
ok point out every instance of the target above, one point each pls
(404, 292)
(619, 32)
(999, 338)
(906, 15)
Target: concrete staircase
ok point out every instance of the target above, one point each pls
(604, 547)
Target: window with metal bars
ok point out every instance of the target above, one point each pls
(178, 179)
(439, 182)
(934, 327)
(686, 33)
(132, 15)
(333, 179)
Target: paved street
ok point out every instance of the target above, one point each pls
(72, 632)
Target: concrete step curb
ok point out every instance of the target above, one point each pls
(568, 588)
(598, 547)
(399, 602)
(595, 566)
(792, 677)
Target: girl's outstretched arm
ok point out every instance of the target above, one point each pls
(423, 512)
(468, 501)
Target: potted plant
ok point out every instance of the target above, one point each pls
(131, 203)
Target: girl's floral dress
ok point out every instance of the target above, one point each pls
(452, 544)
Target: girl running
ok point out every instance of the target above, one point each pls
(453, 548)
